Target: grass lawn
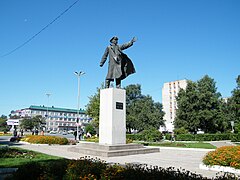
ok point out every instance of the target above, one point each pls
(183, 145)
(15, 157)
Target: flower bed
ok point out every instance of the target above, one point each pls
(224, 156)
(36, 139)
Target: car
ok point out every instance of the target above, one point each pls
(53, 132)
(64, 133)
(70, 132)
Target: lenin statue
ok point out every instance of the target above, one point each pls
(119, 65)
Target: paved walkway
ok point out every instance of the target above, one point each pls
(182, 158)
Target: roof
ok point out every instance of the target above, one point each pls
(66, 110)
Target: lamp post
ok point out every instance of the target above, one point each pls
(47, 94)
(78, 74)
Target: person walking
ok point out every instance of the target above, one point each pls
(75, 134)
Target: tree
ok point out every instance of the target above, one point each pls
(200, 107)
(3, 124)
(142, 111)
(187, 108)
(92, 108)
(234, 105)
(30, 123)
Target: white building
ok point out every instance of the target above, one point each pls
(57, 119)
(169, 92)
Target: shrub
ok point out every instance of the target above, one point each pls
(224, 156)
(135, 137)
(203, 137)
(89, 168)
(235, 137)
(36, 139)
(84, 166)
(151, 135)
(181, 130)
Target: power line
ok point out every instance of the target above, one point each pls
(44, 28)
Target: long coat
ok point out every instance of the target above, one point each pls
(119, 65)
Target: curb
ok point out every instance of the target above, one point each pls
(219, 168)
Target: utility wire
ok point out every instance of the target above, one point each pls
(44, 28)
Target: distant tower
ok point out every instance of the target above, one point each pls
(169, 92)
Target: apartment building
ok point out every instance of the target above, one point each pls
(57, 119)
(169, 92)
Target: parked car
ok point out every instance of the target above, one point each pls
(53, 132)
(64, 133)
(70, 132)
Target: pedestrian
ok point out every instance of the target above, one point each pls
(75, 134)
(15, 133)
(42, 133)
(21, 132)
(36, 132)
(172, 137)
(33, 132)
(119, 65)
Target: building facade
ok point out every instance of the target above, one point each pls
(169, 92)
(57, 119)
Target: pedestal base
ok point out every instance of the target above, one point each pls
(112, 118)
(112, 150)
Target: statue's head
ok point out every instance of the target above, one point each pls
(114, 40)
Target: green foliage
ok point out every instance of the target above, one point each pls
(3, 124)
(92, 108)
(151, 135)
(30, 123)
(203, 137)
(91, 129)
(235, 137)
(16, 157)
(142, 111)
(135, 137)
(234, 105)
(181, 130)
(79, 168)
(200, 107)
(90, 168)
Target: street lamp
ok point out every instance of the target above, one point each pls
(78, 74)
(48, 95)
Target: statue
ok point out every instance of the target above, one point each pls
(120, 65)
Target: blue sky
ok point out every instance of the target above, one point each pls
(176, 40)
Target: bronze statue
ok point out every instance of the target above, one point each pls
(120, 65)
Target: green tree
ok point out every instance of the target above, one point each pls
(187, 108)
(92, 108)
(142, 111)
(200, 107)
(234, 105)
(3, 124)
(209, 104)
(27, 123)
(30, 123)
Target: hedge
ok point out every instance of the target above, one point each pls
(205, 137)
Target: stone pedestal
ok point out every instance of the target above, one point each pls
(112, 120)
(112, 129)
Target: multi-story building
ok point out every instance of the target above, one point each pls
(57, 119)
(169, 92)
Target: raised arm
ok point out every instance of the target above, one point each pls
(129, 44)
